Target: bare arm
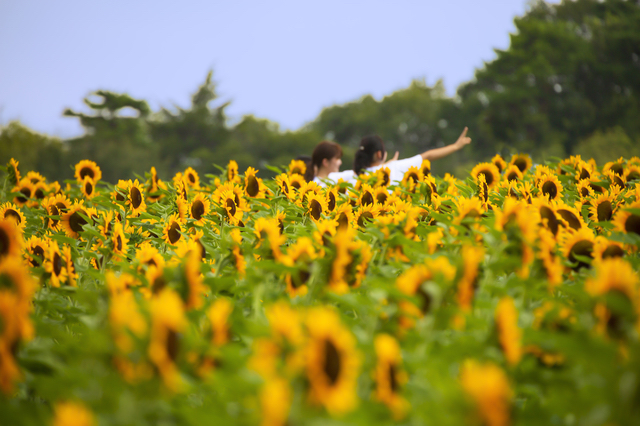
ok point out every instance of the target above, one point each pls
(434, 154)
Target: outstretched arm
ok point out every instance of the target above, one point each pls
(434, 154)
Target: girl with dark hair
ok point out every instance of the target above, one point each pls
(325, 160)
(371, 156)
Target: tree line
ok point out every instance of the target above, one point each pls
(569, 83)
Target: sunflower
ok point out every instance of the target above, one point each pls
(366, 214)
(218, 315)
(512, 173)
(39, 192)
(614, 274)
(54, 265)
(522, 161)
(381, 195)
(193, 277)
(627, 222)
(332, 197)
(87, 168)
(239, 260)
(316, 206)
(602, 207)
(425, 167)
(615, 179)
(483, 188)
(487, 385)
(275, 401)
(383, 177)
(605, 249)
(297, 167)
(300, 254)
(499, 162)
(305, 190)
(199, 208)
(578, 243)
(568, 216)
(231, 205)
(344, 216)
(268, 229)
(147, 255)
(366, 195)
(468, 208)
(232, 172)
(389, 376)
(73, 220)
(411, 178)
(24, 189)
(191, 178)
(509, 334)
(88, 188)
(253, 186)
(296, 181)
(411, 281)
(284, 186)
(550, 187)
(11, 213)
(119, 241)
(73, 413)
(583, 171)
(13, 172)
(632, 173)
(471, 258)
(332, 362)
(67, 257)
(584, 189)
(135, 198)
(616, 167)
(546, 214)
(35, 251)
(181, 189)
(167, 320)
(172, 231)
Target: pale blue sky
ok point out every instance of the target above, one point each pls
(281, 60)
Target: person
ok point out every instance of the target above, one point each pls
(326, 159)
(371, 155)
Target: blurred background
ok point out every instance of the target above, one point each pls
(133, 85)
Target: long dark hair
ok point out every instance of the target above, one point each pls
(325, 150)
(369, 145)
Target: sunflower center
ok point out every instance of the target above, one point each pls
(552, 220)
(76, 222)
(613, 251)
(136, 197)
(521, 164)
(550, 189)
(584, 174)
(367, 198)
(39, 194)
(364, 218)
(119, 243)
(605, 211)
(174, 232)
(381, 197)
(191, 178)
(203, 251)
(426, 300)
(332, 362)
(632, 224)
(38, 255)
(57, 264)
(343, 221)
(581, 248)
(5, 243)
(633, 175)
(172, 345)
(618, 169)
(231, 207)
(584, 192)
(10, 213)
(571, 219)
(331, 202)
(512, 176)
(27, 194)
(158, 284)
(88, 188)
(197, 209)
(393, 381)
(87, 171)
(296, 184)
(315, 209)
(252, 186)
(285, 188)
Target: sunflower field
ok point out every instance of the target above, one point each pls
(509, 297)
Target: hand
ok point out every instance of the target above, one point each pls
(463, 139)
(395, 157)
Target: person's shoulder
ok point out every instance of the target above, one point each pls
(346, 174)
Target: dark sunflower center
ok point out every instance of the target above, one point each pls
(197, 209)
(174, 232)
(172, 345)
(57, 264)
(88, 188)
(10, 213)
(552, 220)
(584, 192)
(512, 176)
(158, 284)
(618, 169)
(365, 218)
(632, 224)
(634, 175)
(584, 174)
(191, 178)
(332, 202)
(571, 219)
(613, 251)
(385, 179)
(39, 194)
(472, 214)
(521, 164)
(605, 211)
(549, 188)
(425, 300)
(381, 197)
(252, 186)
(301, 278)
(119, 243)
(367, 198)
(393, 380)
(581, 248)
(315, 209)
(285, 188)
(26, 192)
(332, 362)
(87, 171)
(38, 256)
(203, 251)
(343, 221)
(231, 207)
(296, 184)
(136, 197)
(76, 222)
(5, 243)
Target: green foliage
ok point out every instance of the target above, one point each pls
(607, 146)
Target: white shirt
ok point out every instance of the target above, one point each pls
(396, 168)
